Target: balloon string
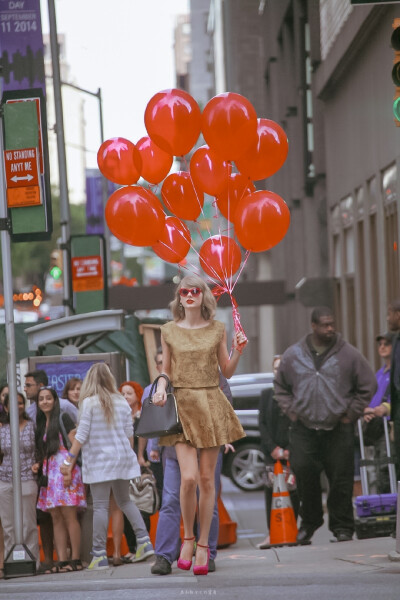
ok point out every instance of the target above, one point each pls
(246, 258)
(218, 291)
(198, 199)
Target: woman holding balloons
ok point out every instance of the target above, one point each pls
(194, 346)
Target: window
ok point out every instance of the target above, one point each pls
(349, 258)
(391, 252)
(389, 185)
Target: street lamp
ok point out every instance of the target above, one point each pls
(103, 180)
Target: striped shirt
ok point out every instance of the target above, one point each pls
(106, 451)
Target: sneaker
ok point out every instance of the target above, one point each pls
(143, 551)
(161, 566)
(98, 563)
(211, 565)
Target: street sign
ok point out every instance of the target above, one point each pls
(25, 128)
(22, 177)
(87, 274)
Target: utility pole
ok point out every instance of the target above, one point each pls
(62, 160)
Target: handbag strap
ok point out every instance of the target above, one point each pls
(155, 382)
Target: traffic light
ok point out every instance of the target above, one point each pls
(395, 41)
(55, 269)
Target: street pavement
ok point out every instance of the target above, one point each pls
(360, 569)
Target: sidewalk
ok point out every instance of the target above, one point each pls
(240, 562)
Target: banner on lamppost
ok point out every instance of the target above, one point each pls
(21, 45)
(25, 127)
(95, 201)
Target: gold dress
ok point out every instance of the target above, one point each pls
(207, 417)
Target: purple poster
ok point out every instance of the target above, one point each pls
(94, 201)
(21, 45)
(58, 373)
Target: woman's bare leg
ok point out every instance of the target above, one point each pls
(73, 528)
(60, 533)
(189, 468)
(207, 462)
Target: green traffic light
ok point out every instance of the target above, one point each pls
(56, 272)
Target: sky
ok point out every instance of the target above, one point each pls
(124, 47)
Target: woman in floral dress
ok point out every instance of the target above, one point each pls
(61, 501)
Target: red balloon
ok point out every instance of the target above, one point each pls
(119, 161)
(209, 172)
(261, 220)
(172, 119)
(174, 242)
(156, 162)
(220, 257)
(135, 216)
(266, 156)
(239, 186)
(181, 197)
(229, 125)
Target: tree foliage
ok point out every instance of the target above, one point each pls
(30, 260)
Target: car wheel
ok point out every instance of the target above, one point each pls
(246, 467)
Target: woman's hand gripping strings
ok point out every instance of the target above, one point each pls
(228, 363)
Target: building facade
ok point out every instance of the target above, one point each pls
(322, 70)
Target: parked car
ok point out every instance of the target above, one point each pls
(245, 466)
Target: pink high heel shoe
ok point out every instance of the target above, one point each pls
(182, 562)
(202, 569)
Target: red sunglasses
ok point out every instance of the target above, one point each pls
(193, 291)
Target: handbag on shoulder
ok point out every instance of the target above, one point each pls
(158, 421)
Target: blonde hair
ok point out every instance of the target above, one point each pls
(100, 382)
(208, 306)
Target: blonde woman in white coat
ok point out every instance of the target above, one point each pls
(105, 435)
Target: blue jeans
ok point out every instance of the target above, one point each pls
(168, 527)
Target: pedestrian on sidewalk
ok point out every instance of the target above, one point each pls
(323, 384)
(61, 502)
(168, 527)
(105, 435)
(393, 320)
(194, 345)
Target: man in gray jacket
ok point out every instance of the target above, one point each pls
(323, 384)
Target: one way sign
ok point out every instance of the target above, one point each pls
(23, 186)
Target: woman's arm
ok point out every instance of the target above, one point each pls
(226, 364)
(80, 437)
(160, 397)
(69, 426)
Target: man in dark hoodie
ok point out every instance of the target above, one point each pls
(323, 384)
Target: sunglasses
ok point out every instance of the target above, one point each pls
(193, 291)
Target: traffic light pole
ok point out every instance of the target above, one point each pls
(104, 189)
(62, 160)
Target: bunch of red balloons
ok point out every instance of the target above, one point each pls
(233, 134)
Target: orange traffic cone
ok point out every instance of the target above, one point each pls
(283, 527)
